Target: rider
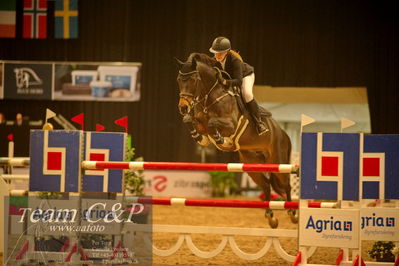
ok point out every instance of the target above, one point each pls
(242, 75)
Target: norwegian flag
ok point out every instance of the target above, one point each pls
(35, 19)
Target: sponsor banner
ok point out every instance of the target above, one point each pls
(28, 81)
(97, 82)
(379, 224)
(329, 228)
(177, 184)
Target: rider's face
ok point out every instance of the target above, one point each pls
(220, 56)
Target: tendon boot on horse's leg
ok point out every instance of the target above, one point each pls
(200, 139)
(253, 109)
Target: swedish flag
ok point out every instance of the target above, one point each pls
(66, 19)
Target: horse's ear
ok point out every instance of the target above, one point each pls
(194, 62)
(178, 63)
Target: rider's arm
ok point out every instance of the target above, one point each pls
(235, 72)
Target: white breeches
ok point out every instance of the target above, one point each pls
(247, 87)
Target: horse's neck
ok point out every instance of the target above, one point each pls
(208, 80)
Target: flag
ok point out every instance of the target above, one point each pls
(123, 122)
(99, 127)
(306, 120)
(345, 122)
(49, 114)
(80, 118)
(8, 16)
(35, 19)
(66, 19)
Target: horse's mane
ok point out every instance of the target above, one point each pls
(204, 58)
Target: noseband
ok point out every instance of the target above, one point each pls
(186, 76)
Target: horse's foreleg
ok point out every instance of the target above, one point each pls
(200, 139)
(217, 124)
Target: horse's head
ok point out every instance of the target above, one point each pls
(189, 80)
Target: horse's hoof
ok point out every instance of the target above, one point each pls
(273, 222)
(293, 216)
(204, 141)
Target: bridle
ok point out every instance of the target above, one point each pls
(196, 99)
(187, 95)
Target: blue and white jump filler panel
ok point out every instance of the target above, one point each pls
(103, 146)
(346, 166)
(56, 158)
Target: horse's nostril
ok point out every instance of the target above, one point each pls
(183, 109)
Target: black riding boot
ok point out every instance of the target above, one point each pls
(253, 109)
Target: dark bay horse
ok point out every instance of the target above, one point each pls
(213, 115)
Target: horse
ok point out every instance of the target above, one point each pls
(215, 114)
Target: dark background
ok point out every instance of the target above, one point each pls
(289, 42)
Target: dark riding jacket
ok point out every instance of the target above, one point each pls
(236, 69)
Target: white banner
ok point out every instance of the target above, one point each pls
(329, 228)
(379, 224)
(177, 184)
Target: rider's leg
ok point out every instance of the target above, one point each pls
(253, 108)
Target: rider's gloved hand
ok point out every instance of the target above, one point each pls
(220, 78)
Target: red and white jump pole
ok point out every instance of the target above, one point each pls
(224, 167)
(275, 205)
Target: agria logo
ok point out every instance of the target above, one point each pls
(377, 221)
(328, 225)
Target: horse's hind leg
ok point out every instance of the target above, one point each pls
(281, 184)
(261, 180)
(281, 181)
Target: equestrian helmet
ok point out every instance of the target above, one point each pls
(220, 45)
